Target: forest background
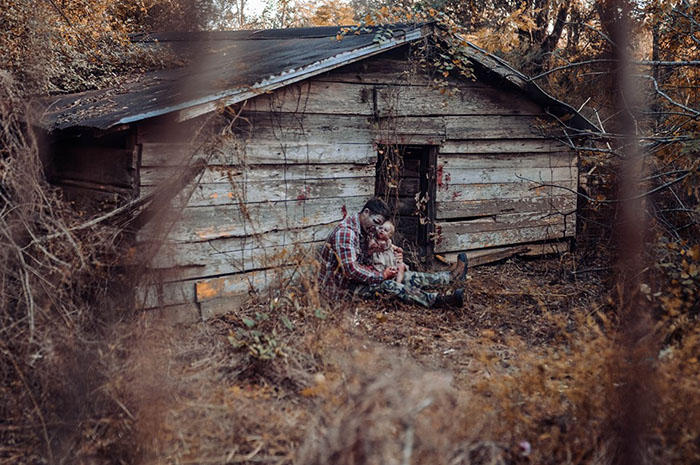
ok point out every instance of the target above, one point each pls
(630, 67)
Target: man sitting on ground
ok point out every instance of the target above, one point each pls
(346, 270)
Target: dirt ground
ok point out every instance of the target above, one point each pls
(515, 299)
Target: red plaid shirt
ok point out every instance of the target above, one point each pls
(344, 261)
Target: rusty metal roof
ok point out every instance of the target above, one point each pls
(226, 67)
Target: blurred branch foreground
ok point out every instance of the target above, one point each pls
(634, 400)
(586, 356)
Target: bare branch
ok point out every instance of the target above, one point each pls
(667, 63)
(588, 26)
(686, 16)
(613, 60)
(695, 113)
(569, 66)
(60, 12)
(591, 199)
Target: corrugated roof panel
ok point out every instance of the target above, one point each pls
(221, 63)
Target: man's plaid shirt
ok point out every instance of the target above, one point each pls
(344, 261)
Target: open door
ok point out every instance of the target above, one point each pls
(406, 180)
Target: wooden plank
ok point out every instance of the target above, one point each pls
(486, 256)
(500, 127)
(508, 160)
(409, 130)
(306, 127)
(240, 284)
(316, 97)
(463, 236)
(387, 127)
(448, 176)
(174, 314)
(450, 192)
(506, 221)
(266, 125)
(258, 151)
(152, 294)
(451, 210)
(181, 293)
(272, 191)
(153, 176)
(409, 139)
(99, 165)
(172, 261)
(469, 127)
(239, 261)
(171, 254)
(221, 306)
(349, 98)
(503, 146)
(469, 100)
(379, 71)
(206, 223)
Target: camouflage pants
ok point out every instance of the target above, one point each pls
(410, 291)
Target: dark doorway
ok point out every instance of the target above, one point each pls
(406, 180)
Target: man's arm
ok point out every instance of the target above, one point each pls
(346, 250)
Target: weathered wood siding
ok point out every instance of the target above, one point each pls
(306, 156)
(273, 192)
(504, 182)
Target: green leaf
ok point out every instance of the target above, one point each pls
(319, 314)
(248, 322)
(286, 322)
(234, 342)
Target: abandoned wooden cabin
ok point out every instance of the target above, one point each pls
(310, 128)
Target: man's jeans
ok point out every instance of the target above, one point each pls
(410, 291)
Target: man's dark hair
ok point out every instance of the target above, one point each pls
(377, 206)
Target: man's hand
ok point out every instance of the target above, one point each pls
(390, 272)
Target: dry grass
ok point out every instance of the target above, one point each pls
(57, 311)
